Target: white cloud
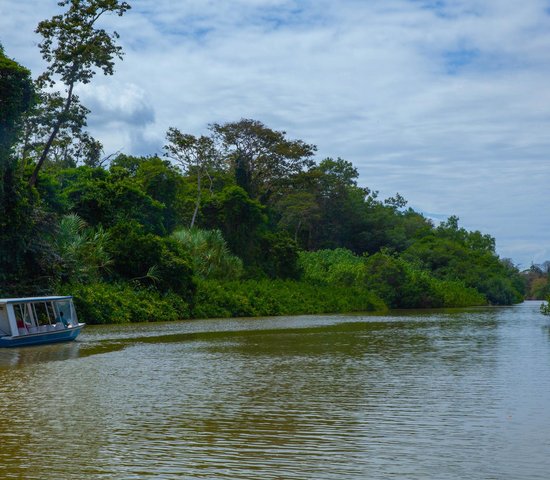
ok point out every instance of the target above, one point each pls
(443, 101)
(122, 115)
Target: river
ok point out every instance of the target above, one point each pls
(450, 394)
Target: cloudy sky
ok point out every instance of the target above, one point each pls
(445, 101)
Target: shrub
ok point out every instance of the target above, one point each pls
(385, 275)
(279, 255)
(209, 253)
(279, 297)
(149, 260)
(102, 303)
(339, 266)
(457, 294)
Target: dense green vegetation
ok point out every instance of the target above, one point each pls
(537, 284)
(537, 281)
(241, 221)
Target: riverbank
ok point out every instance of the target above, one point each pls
(103, 303)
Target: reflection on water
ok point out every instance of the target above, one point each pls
(415, 395)
(11, 357)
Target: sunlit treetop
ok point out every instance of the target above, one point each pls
(74, 47)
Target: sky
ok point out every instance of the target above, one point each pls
(445, 101)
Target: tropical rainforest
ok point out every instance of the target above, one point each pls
(239, 221)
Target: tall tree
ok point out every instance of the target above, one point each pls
(339, 216)
(75, 48)
(260, 157)
(240, 219)
(71, 145)
(299, 211)
(196, 155)
(15, 98)
(15, 213)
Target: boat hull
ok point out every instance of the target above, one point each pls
(66, 335)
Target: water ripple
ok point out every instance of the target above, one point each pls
(417, 395)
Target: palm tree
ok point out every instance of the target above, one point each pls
(210, 254)
(81, 249)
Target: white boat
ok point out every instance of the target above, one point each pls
(37, 320)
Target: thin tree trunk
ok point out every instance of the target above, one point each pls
(197, 203)
(57, 126)
(211, 187)
(297, 230)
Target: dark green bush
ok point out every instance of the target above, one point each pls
(102, 303)
(386, 276)
(279, 255)
(279, 297)
(149, 260)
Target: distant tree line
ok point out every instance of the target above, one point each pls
(537, 281)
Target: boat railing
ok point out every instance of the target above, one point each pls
(42, 329)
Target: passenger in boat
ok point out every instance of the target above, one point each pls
(62, 319)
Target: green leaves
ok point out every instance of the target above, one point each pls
(210, 254)
(18, 217)
(452, 253)
(196, 156)
(16, 91)
(74, 48)
(82, 250)
(150, 260)
(261, 157)
(72, 44)
(72, 144)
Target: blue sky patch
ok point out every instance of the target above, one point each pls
(286, 17)
(456, 60)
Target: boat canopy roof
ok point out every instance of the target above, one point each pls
(33, 299)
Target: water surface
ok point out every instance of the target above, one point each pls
(414, 395)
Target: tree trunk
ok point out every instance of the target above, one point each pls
(57, 126)
(297, 230)
(197, 203)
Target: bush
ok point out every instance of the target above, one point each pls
(209, 253)
(419, 291)
(457, 294)
(325, 267)
(279, 256)
(386, 275)
(398, 283)
(279, 297)
(422, 290)
(102, 303)
(499, 291)
(149, 260)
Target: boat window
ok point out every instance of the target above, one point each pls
(4, 322)
(18, 315)
(41, 313)
(22, 315)
(65, 307)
